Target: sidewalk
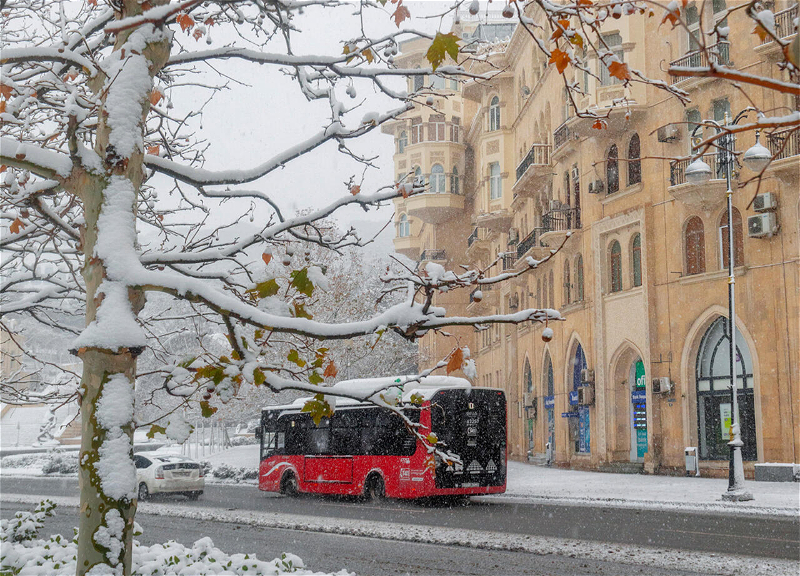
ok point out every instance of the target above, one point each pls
(527, 481)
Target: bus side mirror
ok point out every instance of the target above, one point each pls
(258, 433)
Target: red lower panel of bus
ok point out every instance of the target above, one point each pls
(404, 477)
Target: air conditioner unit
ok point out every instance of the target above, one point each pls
(762, 225)
(555, 204)
(587, 376)
(662, 385)
(532, 409)
(527, 398)
(669, 133)
(585, 395)
(513, 235)
(764, 202)
(513, 301)
(596, 187)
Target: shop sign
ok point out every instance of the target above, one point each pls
(569, 414)
(549, 402)
(573, 398)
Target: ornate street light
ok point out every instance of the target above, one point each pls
(698, 172)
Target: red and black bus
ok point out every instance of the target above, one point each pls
(367, 450)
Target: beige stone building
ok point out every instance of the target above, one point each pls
(637, 371)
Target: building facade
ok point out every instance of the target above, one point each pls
(638, 369)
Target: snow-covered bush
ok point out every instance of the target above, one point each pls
(243, 440)
(235, 473)
(60, 463)
(23, 552)
(22, 461)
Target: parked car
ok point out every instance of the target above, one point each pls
(168, 474)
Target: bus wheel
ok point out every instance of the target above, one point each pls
(375, 489)
(289, 485)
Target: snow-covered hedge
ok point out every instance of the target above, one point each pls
(21, 552)
(235, 473)
(48, 462)
(243, 440)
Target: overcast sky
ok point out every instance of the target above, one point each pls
(249, 123)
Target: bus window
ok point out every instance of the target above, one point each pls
(387, 436)
(267, 444)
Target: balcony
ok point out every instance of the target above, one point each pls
(477, 246)
(561, 136)
(433, 255)
(497, 221)
(720, 54)
(407, 246)
(507, 261)
(530, 246)
(785, 146)
(706, 197)
(557, 222)
(534, 172)
(437, 207)
(784, 29)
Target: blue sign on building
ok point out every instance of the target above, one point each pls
(569, 414)
(549, 402)
(573, 398)
(638, 396)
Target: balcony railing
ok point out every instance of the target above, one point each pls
(784, 144)
(784, 24)
(720, 54)
(677, 169)
(508, 261)
(433, 254)
(560, 136)
(472, 237)
(561, 219)
(539, 154)
(527, 243)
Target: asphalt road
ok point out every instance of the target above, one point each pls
(774, 537)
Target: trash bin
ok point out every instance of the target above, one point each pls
(692, 461)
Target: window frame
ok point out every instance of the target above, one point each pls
(437, 179)
(404, 226)
(636, 259)
(694, 261)
(612, 169)
(402, 141)
(634, 162)
(494, 114)
(614, 266)
(495, 181)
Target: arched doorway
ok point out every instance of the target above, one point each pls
(549, 403)
(629, 407)
(579, 427)
(529, 420)
(713, 375)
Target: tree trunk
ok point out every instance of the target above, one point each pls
(107, 477)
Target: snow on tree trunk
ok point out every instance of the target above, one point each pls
(112, 338)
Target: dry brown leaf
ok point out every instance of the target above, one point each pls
(155, 96)
(456, 360)
(560, 59)
(330, 370)
(16, 226)
(185, 21)
(355, 189)
(619, 70)
(266, 257)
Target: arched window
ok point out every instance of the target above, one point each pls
(567, 287)
(437, 179)
(494, 114)
(419, 81)
(738, 245)
(528, 377)
(579, 278)
(454, 183)
(634, 161)
(612, 169)
(713, 379)
(551, 288)
(419, 180)
(545, 302)
(636, 259)
(615, 265)
(694, 246)
(402, 142)
(404, 228)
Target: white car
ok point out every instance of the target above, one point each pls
(168, 474)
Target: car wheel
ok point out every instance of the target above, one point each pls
(375, 489)
(144, 493)
(289, 485)
(194, 495)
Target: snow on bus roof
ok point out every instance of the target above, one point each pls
(366, 388)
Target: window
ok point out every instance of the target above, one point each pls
(419, 82)
(694, 246)
(718, 6)
(437, 83)
(454, 182)
(539, 302)
(634, 161)
(544, 295)
(738, 247)
(436, 128)
(437, 179)
(419, 179)
(551, 286)
(614, 43)
(693, 120)
(495, 181)
(567, 291)
(576, 190)
(416, 131)
(494, 114)
(566, 188)
(565, 110)
(612, 170)
(615, 255)
(455, 128)
(693, 29)
(402, 142)
(579, 278)
(454, 85)
(404, 228)
(636, 259)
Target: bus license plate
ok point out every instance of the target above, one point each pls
(469, 485)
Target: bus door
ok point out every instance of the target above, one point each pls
(326, 459)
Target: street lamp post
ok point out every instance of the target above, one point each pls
(698, 172)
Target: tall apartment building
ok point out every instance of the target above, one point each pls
(638, 370)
